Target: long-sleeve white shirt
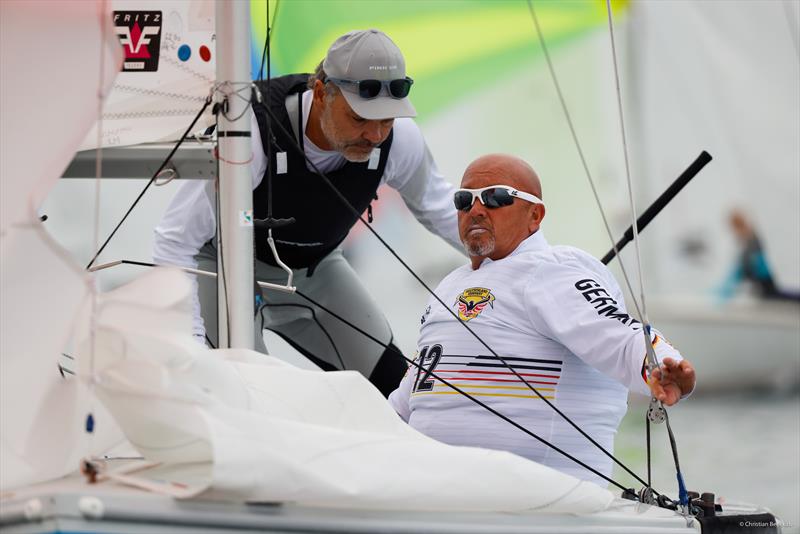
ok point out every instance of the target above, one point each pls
(555, 314)
(190, 221)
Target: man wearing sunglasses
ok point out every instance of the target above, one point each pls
(553, 313)
(352, 119)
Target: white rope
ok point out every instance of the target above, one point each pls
(643, 312)
(581, 155)
(98, 169)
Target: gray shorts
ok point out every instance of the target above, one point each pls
(335, 285)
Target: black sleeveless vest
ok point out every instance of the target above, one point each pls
(322, 220)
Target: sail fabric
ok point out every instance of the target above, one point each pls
(40, 407)
(47, 106)
(274, 432)
(41, 413)
(167, 73)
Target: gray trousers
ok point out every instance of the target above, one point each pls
(319, 336)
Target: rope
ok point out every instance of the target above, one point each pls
(634, 223)
(150, 182)
(580, 151)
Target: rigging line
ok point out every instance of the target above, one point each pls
(353, 210)
(683, 495)
(223, 281)
(649, 463)
(270, 148)
(397, 351)
(430, 373)
(651, 356)
(635, 223)
(231, 91)
(98, 169)
(268, 38)
(313, 316)
(150, 182)
(578, 147)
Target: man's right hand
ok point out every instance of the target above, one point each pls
(672, 380)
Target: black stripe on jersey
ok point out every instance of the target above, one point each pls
(556, 364)
(514, 358)
(537, 367)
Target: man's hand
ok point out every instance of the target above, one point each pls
(672, 380)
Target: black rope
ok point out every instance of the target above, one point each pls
(153, 179)
(435, 296)
(683, 495)
(268, 39)
(313, 316)
(430, 372)
(647, 430)
(221, 256)
(260, 311)
(270, 148)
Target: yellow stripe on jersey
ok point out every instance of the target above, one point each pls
(462, 386)
(480, 394)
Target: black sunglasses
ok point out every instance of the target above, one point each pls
(494, 196)
(369, 89)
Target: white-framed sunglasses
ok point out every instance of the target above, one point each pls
(493, 196)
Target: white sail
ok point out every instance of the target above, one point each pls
(41, 286)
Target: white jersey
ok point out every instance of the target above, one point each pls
(190, 221)
(556, 315)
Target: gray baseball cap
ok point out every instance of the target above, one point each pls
(368, 55)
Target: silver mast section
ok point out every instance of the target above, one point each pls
(235, 236)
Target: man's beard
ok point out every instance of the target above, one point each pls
(355, 152)
(480, 247)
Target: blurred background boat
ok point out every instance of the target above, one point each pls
(742, 345)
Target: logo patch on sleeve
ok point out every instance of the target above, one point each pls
(471, 302)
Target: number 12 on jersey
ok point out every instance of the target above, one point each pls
(428, 359)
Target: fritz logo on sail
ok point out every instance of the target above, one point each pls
(139, 33)
(472, 301)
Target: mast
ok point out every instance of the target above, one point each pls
(235, 236)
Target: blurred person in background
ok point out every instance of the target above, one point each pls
(751, 265)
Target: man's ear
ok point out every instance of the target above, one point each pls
(537, 215)
(319, 92)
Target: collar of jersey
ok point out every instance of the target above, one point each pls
(532, 243)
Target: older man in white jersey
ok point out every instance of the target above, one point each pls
(554, 313)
